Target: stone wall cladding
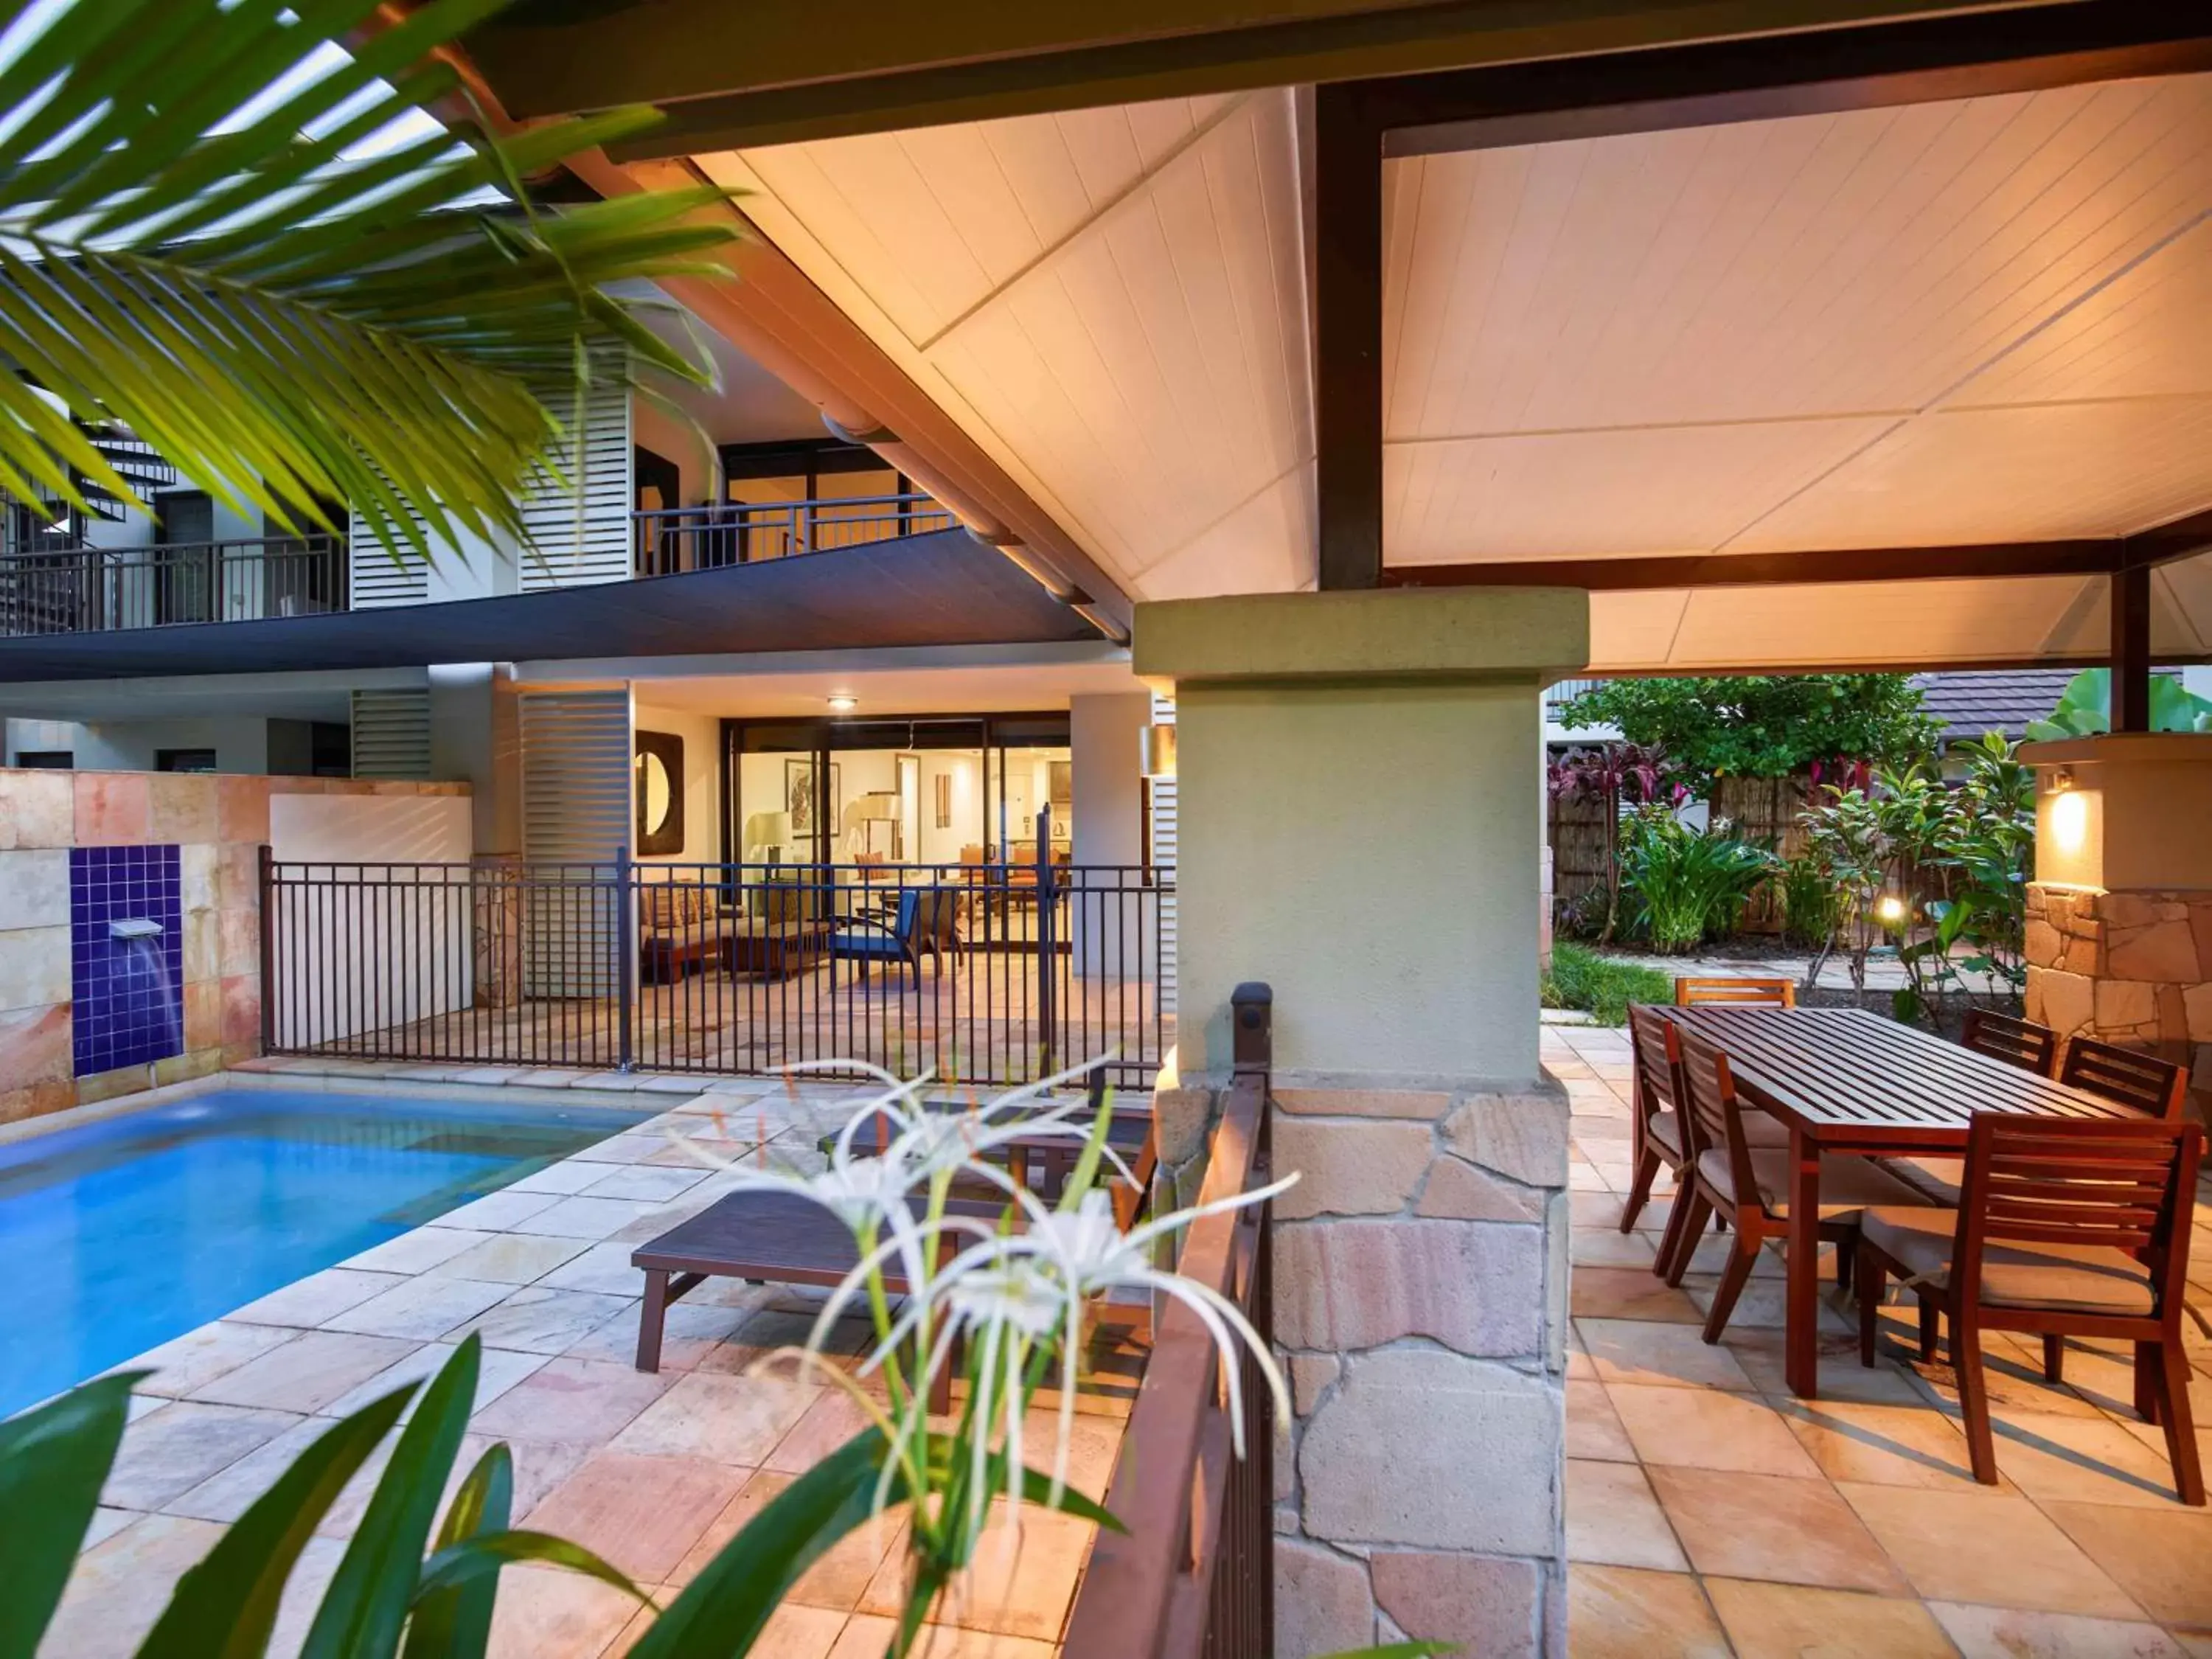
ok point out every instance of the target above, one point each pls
(1417, 1316)
(2132, 966)
(220, 823)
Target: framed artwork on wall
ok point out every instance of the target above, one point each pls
(798, 795)
(658, 793)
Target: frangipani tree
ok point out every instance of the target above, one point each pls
(229, 230)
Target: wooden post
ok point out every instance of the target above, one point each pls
(1348, 339)
(2130, 653)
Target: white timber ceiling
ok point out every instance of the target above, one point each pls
(1980, 321)
(1112, 302)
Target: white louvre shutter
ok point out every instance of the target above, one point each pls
(581, 523)
(1163, 857)
(576, 823)
(392, 733)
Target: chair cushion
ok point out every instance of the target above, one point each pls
(2049, 1277)
(1847, 1183)
(1939, 1180)
(669, 905)
(1762, 1129)
(1665, 1131)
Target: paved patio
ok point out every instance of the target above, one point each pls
(655, 1472)
(1710, 1512)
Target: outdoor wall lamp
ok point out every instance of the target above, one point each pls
(2062, 779)
(843, 704)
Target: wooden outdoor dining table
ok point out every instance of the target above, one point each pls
(1844, 1080)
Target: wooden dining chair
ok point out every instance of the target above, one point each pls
(1750, 1185)
(2068, 1226)
(2019, 1043)
(1655, 1114)
(2126, 1077)
(1709, 991)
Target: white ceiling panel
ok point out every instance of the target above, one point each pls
(1563, 494)
(1113, 302)
(2045, 472)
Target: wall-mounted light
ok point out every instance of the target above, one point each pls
(2069, 816)
(841, 703)
(1157, 751)
(2062, 779)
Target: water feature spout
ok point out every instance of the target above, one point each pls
(135, 928)
(138, 936)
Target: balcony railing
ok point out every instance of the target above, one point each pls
(739, 532)
(82, 590)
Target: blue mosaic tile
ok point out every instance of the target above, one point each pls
(129, 994)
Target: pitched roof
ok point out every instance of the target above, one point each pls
(1969, 704)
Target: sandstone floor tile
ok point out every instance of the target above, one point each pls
(2163, 1558)
(304, 1587)
(106, 1523)
(1762, 1306)
(1614, 1519)
(1709, 1429)
(1773, 1527)
(171, 1450)
(835, 1417)
(421, 1310)
(1638, 1351)
(691, 1331)
(2084, 1460)
(730, 1420)
(1986, 1546)
(563, 1180)
(837, 1580)
(645, 1182)
(420, 1251)
(117, 1590)
(1593, 1428)
(512, 1259)
(229, 1493)
(1630, 1293)
(538, 1319)
(308, 1372)
(588, 1219)
(1621, 1613)
(579, 1400)
(605, 1268)
(1842, 1377)
(1019, 1584)
(497, 1212)
(2009, 1633)
(1785, 1621)
(542, 1614)
(307, 1302)
(1890, 1445)
(198, 1357)
(2014, 1378)
(643, 1514)
(498, 1370)
(868, 1637)
(1608, 1248)
(633, 1148)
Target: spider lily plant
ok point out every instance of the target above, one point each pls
(1013, 1289)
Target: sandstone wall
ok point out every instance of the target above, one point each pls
(2127, 967)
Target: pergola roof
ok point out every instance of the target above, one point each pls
(1893, 324)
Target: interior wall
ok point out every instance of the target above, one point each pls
(698, 470)
(241, 743)
(703, 782)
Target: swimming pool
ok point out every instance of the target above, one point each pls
(119, 1235)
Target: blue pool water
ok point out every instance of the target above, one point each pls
(119, 1235)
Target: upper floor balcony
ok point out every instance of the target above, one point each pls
(679, 539)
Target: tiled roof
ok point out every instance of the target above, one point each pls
(1969, 704)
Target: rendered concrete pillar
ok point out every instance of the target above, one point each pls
(474, 735)
(1360, 828)
(1108, 920)
(2119, 915)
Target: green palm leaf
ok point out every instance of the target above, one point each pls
(231, 238)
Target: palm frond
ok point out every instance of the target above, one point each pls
(254, 249)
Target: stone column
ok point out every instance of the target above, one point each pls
(2119, 914)
(1360, 828)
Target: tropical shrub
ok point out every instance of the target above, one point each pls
(1762, 726)
(1687, 883)
(2085, 708)
(1018, 1297)
(1809, 902)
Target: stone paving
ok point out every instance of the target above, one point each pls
(1710, 1512)
(653, 1471)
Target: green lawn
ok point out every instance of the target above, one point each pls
(1581, 978)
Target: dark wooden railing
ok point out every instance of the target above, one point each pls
(1194, 1574)
(679, 539)
(85, 589)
